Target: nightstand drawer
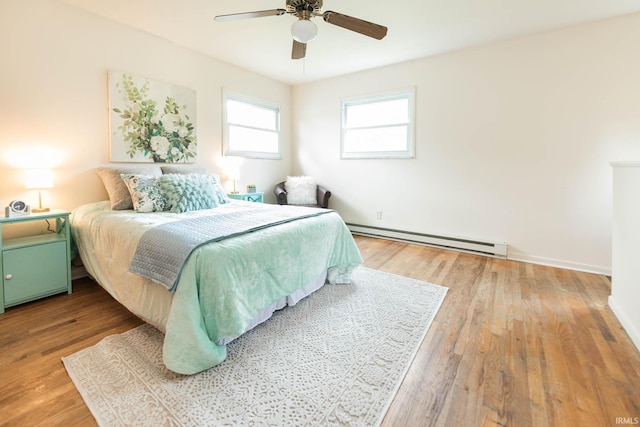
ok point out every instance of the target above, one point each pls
(34, 271)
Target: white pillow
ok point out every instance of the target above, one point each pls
(301, 190)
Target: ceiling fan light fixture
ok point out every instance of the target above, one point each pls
(304, 31)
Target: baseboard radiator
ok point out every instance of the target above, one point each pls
(493, 249)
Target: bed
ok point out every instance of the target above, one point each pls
(225, 287)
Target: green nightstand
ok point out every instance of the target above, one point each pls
(248, 197)
(35, 266)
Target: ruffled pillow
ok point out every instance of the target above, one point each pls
(190, 192)
(301, 190)
(145, 192)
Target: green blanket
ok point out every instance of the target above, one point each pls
(222, 288)
(163, 250)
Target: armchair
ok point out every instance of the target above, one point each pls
(322, 196)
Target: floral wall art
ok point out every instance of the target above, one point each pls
(150, 121)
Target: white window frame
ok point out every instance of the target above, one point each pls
(227, 149)
(409, 152)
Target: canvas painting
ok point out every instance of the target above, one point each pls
(151, 121)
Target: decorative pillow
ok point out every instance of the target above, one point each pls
(219, 189)
(189, 192)
(301, 190)
(145, 193)
(119, 195)
(182, 169)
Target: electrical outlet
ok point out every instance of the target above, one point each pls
(379, 215)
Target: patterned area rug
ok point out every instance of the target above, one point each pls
(335, 358)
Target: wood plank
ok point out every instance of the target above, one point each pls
(513, 344)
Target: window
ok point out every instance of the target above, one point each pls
(378, 126)
(251, 129)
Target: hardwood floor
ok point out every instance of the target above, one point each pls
(514, 344)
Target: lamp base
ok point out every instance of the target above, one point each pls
(40, 209)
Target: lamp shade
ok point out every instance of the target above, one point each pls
(303, 31)
(39, 178)
(233, 173)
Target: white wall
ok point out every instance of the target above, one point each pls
(513, 139)
(625, 280)
(53, 86)
(513, 143)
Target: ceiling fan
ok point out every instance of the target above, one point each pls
(303, 30)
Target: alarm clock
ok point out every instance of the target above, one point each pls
(17, 208)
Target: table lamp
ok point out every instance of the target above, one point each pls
(38, 179)
(234, 174)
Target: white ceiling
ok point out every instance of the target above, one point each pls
(417, 28)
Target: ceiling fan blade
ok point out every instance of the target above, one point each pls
(299, 50)
(247, 15)
(354, 24)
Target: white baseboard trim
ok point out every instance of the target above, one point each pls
(487, 248)
(551, 262)
(628, 326)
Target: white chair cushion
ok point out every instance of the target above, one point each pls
(301, 190)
